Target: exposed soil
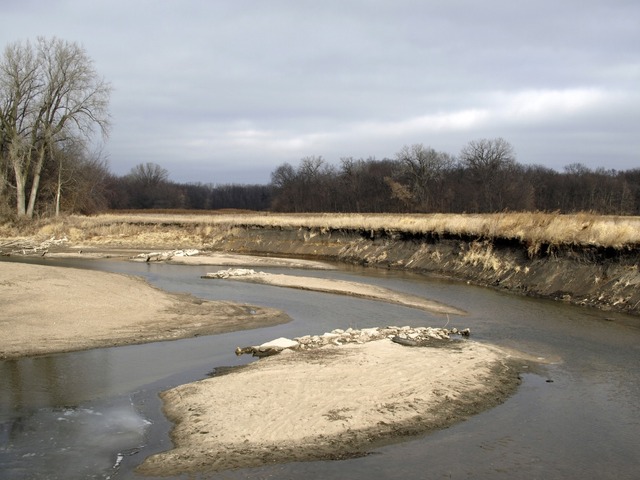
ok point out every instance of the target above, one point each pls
(605, 278)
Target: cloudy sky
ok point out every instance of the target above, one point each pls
(224, 91)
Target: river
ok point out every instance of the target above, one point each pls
(96, 414)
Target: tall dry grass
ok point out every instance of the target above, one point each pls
(534, 229)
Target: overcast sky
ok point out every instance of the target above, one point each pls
(224, 91)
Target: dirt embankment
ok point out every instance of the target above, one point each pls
(606, 278)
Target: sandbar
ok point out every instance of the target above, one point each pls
(47, 309)
(340, 287)
(334, 402)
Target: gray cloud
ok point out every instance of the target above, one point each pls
(226, 91)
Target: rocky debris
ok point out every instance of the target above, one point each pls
(232, 272)
(408, 336)
(269, 348)
(164, 256)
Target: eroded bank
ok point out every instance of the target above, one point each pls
(606, 278)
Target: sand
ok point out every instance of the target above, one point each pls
(326, 403)
(330, 403)
(341, 287)
(49, 309)
(235, 260)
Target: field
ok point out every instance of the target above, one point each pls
(195, 228)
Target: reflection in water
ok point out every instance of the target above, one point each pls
(55, 380)
(582, 423)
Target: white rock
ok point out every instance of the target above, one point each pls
(330, 335)
(281, 342)
(369, 331)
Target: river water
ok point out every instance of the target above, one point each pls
(96, 414)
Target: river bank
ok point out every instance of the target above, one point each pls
(581, 259)
(601, 277)
(381, 391)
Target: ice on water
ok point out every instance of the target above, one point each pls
(70, 442)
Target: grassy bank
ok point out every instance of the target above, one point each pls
(534, 230)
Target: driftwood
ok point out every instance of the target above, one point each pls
(164, 255)
(24, 246)
(258, 351)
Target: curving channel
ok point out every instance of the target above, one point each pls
(96, 414)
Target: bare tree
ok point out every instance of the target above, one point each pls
(49, 93)
(285, 185)
(149, 174)
(423, 167)
(487, 154)
(488, 163)
(77, 179)
(149, 186)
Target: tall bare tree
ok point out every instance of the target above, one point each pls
(489, 163)
(423, 167)
(49, 93)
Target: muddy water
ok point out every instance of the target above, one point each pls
(96, 414)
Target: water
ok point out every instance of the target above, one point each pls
(96, 414)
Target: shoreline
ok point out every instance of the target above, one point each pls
(381, 392)
(338, 287)
(48, 310)
(330, 403)
(581, 259)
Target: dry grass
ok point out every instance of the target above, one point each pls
(535, 230)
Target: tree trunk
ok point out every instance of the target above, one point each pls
(3, 187)
(59, 190)
(35, 185)
(21, 209)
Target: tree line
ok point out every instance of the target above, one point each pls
(483, 178)
(53, 103)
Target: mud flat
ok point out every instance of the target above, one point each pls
(336, 401)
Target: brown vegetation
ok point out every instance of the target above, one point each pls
(531, 229)
(583, 259)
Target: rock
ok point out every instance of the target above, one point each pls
(280, 343)
(269, 348)
(231, 272)
(186, 253)
(420, 336)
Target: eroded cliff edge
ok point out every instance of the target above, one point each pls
(606, 278)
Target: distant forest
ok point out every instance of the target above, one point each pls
(484, 178)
